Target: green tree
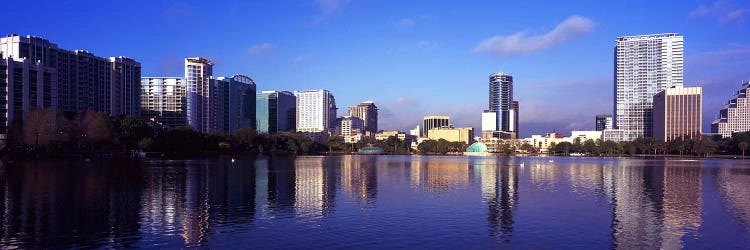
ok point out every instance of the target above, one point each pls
(336, 143)
(131, 131)
(743, 146)
(589, 147)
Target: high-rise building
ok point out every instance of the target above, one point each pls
(198, 74)
(126, 86)
(433, 122)
(514, 118)
(85, 81)
(316, 112)
(678, 112)
(644, 66)
(275, 111)
(734, 116)
(368, 112)
(164, 101)
(24, 86)
(234, 103)
(603, 122)
(501, 99)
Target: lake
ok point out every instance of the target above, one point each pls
(377, 202)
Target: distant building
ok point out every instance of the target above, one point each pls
(351, 128)
(234, 106)
(383, 135)
(514, 115)
(25, 86)
(198, 74)
(584, 136)
(465, 135)
(164, 100)
(489, 121)
(603, 122)
(316, 113)
(368, 112)
(644, 65)
(416, 131)
(543, 142)
(433, 122)
(733, 116)
(275, 111)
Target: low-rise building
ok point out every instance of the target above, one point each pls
(584, 136)
(543, 142)
(464, 135)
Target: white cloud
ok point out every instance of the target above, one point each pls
(521, 43)
(723, 10)
(406, 22)
(262, 49)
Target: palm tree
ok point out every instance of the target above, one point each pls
(743, 147)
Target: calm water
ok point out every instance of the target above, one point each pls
(378, 202)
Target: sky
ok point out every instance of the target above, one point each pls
(413, 58)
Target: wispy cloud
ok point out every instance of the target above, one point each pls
(521, 43)
(426, 45)
(328, 7)
(723, 10)
(406, 22)
(723, 56)
(301, 60)
(262, 49)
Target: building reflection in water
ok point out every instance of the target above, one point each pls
(734, 184)
(544, 174)
(499, 182)
(586, 178)
(315, 186)
(440, 176)
(359, 179)
(46, 204)
(655, 205)
(280, 189)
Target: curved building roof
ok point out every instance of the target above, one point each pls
(477, 147)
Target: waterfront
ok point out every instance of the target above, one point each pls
(378, 202)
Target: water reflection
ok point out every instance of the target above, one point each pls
(630, 203)
(655, 204)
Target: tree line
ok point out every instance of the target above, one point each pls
(684, 145)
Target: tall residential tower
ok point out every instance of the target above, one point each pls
(198, 74)
(644, 66)
(368, 112)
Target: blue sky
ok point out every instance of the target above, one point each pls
(413, 58)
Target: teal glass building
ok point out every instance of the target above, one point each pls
(275, 111)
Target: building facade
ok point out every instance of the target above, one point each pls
(235, 103)
(316, 112)
(433, 122)
(125, 87)
(85, 81)
(734, 116)
(644, 66)
(351, 128)
(678, 112)
(198, 76)
(275, 111)
(465, 135)
(603, 122)
(514, 115)
(164, 101)
(501, 99)
(24, 86)
(368, 112)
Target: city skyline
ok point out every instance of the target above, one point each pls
(412, 46)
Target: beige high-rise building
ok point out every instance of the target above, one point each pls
(368, 112)
(678, 112)
(734, 117)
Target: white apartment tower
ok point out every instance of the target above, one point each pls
(644, 66)
(164, 100)
(734, 116)
(198, 73)
(316, 111)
